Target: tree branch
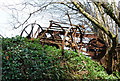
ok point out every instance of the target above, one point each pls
(109, 12)
(40, 9)
(92, 19)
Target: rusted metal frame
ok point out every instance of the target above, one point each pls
(73, 35)
(69, 35)
(57, 37)
(55, 29)
(71, 38)
(52, 35)
(51, 32)
(59, 26)
(76, 34)
(64, 27)
(71, 32)
(81, 37)
(46, 30)
(60, 32)
(66, 23)
(40, 33)
(63, 42)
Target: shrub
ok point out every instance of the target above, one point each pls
(27, 59)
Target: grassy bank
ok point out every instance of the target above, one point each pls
(27, 59)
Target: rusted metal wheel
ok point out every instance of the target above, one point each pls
(96, 48)
(32, 30)
(73, 38)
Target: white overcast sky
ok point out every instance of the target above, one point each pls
(5, 27)
(5, 18)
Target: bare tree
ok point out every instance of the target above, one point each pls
(105, 28)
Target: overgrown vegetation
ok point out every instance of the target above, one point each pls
(28, 60)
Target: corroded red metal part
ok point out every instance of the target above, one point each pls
(66, 37)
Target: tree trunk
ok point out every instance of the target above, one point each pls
(112, 56)
(118, 59)
(112, 53)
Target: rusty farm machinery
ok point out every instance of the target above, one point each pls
(66, 37)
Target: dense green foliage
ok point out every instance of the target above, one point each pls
(27, 59)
